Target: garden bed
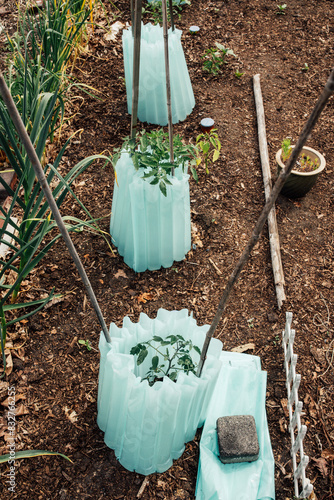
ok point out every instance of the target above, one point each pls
(57, 379)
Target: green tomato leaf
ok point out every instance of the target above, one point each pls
(156, 338)
(197, 349)
(141, 357)
(194, 173)
(173, 376)
(163, 188)
(155, 362)
(135, 350)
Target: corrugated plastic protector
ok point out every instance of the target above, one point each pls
(148, 426)
(150, 230)
(152, 100)
(240, 390)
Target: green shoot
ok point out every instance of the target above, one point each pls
(172, 356)
(238, 75)
(214, 58)
(208, 146)
(281, 9)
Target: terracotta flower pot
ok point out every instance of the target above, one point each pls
(300, 183)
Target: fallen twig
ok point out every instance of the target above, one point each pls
(215, 266)
(143, 486)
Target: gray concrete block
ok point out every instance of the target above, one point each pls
(237, 439)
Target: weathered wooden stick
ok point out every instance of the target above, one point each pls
(169, 105)
(326, 93)
(136, 66)
(272, 221)
(21, 130)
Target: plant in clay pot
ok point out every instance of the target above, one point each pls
(305, 172)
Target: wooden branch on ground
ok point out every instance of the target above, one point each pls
(272, 221)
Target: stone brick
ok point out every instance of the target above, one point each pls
(237, 439)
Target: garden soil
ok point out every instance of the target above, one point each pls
(56, 378)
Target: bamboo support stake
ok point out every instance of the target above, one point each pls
(272, 221)
(14, 114)
(169, 105)
(320, 104)
(136, 29)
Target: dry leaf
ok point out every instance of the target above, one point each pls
(318, 355)
(3, 387)
(322, 465)
(244, 348)
(112, 34)
(120, 274)
(21, 410)
(71, 415)
(195, 236)
(144, 297)
(9, 362)
(284, 403)
(19, 353)
(9, 400)
(328, 453)
(326, 284)
(53, 301)
(90, 398)
(282, 425)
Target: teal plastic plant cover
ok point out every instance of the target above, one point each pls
(150, 230)
(152, 100)
(148, 426)
(240, 390)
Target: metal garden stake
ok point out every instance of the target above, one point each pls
(136, 32)
(168, 93)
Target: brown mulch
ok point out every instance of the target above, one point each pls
(54, 376)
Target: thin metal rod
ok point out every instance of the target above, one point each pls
(13, 112)
(136, 67)
(168, 93)
(170, 4)
(326, 93)
(132, 14)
